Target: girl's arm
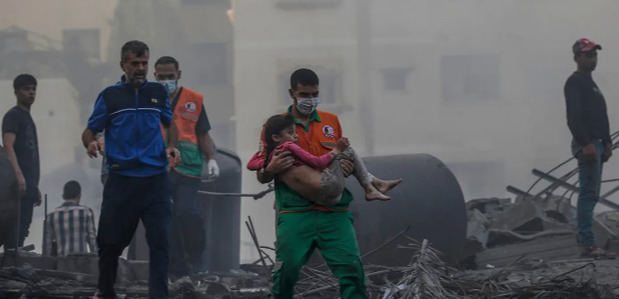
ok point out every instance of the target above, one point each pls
(256, 162)
(321, 162)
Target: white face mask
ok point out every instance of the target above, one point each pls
(307, 105)
(170, 85)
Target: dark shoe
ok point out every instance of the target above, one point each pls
(598, 253)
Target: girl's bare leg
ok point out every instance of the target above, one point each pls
(363, 176)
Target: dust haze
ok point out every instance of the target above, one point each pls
(476, 83)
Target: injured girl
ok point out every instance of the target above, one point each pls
(317, 178)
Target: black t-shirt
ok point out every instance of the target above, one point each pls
(203, 125)
(587, 117)
(19, 122)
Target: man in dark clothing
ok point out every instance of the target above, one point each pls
(130, 114)
(591, 144)
(19, 136)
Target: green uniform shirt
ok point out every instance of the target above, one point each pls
(289, 200)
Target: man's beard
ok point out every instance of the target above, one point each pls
(138, 78)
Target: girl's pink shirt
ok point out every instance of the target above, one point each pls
(302, 155)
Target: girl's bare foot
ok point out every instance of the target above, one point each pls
(371, 193)
(385, 185)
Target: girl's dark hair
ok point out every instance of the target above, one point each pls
(275, 125)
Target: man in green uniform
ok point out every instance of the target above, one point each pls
(303, 226)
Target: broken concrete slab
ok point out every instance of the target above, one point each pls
(610, 222)
(488, 206)
(29, 258)
(524, 217)
(560, 247)
(558, 208)
(603, 233)
(82, 263)
(477, 227)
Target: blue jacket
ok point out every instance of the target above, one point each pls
(131, 119)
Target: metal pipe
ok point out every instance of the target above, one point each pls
(571, 187)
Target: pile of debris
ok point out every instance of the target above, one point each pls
(521, 249)
(499, 230)
(34, 276)
(427, 276)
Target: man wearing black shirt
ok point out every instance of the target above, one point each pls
(587, 120)
(19, 136)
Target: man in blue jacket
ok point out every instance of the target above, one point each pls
(130, 113)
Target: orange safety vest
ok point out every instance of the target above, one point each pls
(186, 115)
(318, 138)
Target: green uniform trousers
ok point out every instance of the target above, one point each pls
(334, 235)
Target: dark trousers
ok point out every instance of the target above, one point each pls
(126, 200)
(26, 203)
(187, 233)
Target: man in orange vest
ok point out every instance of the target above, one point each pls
(302, 225)
(187, 239)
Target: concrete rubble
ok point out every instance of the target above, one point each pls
(426, 276)
(500, 230)
(30, 276)
(34, 276)
(516, 249)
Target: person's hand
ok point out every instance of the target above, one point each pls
(608, 152)
(342, 144)
(589, 152)
(280, 162)
(212, 169)
(101, 143)
(347, 167)
(93, 148)
(21, 183)
(38, 201)
(174, 156)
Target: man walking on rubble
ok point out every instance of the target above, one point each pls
(587, 120)
(303, 226)
(187, 231)
(130, 113)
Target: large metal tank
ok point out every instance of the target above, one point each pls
(222, 215)
(9, 200)
(429, 201)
